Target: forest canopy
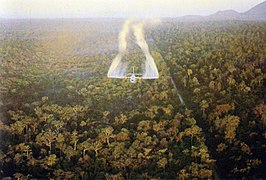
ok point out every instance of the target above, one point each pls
(62, 118)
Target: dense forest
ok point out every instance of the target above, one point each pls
(62, 118)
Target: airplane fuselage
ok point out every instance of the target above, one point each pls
(133, 78)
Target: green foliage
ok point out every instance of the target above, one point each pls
(61, 118)
(219, 69)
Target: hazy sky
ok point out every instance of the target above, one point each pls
(117, 8)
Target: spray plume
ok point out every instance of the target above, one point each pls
(118, 68)
(150, 69)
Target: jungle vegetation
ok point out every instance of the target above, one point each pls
(62, 118)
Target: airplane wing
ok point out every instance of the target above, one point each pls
(126, 77)
(135, 77)
(129, 74)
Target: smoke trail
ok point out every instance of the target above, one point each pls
(150, 70)
(118, 68)
(123, 37)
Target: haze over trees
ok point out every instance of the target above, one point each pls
(62, 118)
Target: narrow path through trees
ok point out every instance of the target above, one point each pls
(179, 95)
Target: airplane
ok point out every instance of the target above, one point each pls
(134, 76)
(131, 76)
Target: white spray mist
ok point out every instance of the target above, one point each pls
(118, 68)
